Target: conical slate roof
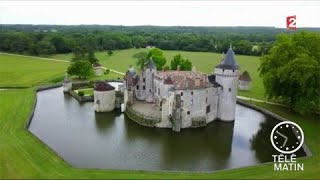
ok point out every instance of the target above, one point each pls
(103, 86)
(229, 62)
(245, 76)
(150, 64)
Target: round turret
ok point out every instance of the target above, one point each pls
(227, 74)
(104, 97)
(66, 84)
(97, 69)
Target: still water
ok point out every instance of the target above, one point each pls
(86, 139)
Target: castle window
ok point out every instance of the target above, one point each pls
(222, 70)
(206, 100)
(188, 112)
(191, 92)
(137, 86)
(149, 90)
(144, 87)
(208, 109)
(159, 91)
(232, 70)
(181, 93)
(229, 89)
(150, 69)
(144, 79)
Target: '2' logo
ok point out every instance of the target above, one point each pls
(291, 22)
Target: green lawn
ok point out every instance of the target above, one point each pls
(87, 92)
(204, 61)
(24, 156)
(21, 71)
(17, 71)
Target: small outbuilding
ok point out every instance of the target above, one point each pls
(244, 81)
(104, 97)
(98, 71)
(66, 84)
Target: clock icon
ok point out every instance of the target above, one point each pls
(282, 139)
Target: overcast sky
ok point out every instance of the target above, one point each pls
(164, 13)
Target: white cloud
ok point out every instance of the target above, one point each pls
(165, 13)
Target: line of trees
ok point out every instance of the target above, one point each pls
(35, 40)
(160, 61)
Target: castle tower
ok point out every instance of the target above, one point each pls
(104, 97)
(67, 84)
(149, 71)
(227, 74)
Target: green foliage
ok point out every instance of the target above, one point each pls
(107, 71)
(141, 59)
(110, 52)
(81, 93)
(185, 64)
(291, 72)
(166, 67)
(81, 53)
(81, 68)
(45, 47)
(157, 56)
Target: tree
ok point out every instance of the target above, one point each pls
(110, 52)
(291, 71)
(157, 57)
(185, 64)
(45, 47)
(141, 59)
(80, 68)
(91, 57)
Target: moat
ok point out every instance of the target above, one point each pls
(86, 139)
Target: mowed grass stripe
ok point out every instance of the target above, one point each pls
(27, 71)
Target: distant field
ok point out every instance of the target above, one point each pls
(17, 71)
(22, 71)
(204, 61)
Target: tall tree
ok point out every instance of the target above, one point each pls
(157, 57)
(185, 64)
(291, 71)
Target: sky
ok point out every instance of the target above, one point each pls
(162, 13)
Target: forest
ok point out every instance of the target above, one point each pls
(57, 39)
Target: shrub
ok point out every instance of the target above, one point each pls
(80, 93)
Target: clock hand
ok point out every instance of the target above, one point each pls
(285, 137)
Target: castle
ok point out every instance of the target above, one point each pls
(186, 98)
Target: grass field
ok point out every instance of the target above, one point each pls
(204, 61)
(17, 71)
(21, 71)
(24, 156)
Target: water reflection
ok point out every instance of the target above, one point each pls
(111, 141)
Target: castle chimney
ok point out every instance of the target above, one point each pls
(204, 78)
(197, 81)
(178, 68)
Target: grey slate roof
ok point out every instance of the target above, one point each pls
(150, 64)
(103, 86)
(229, 62)
(245, 76)
(212, 80)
